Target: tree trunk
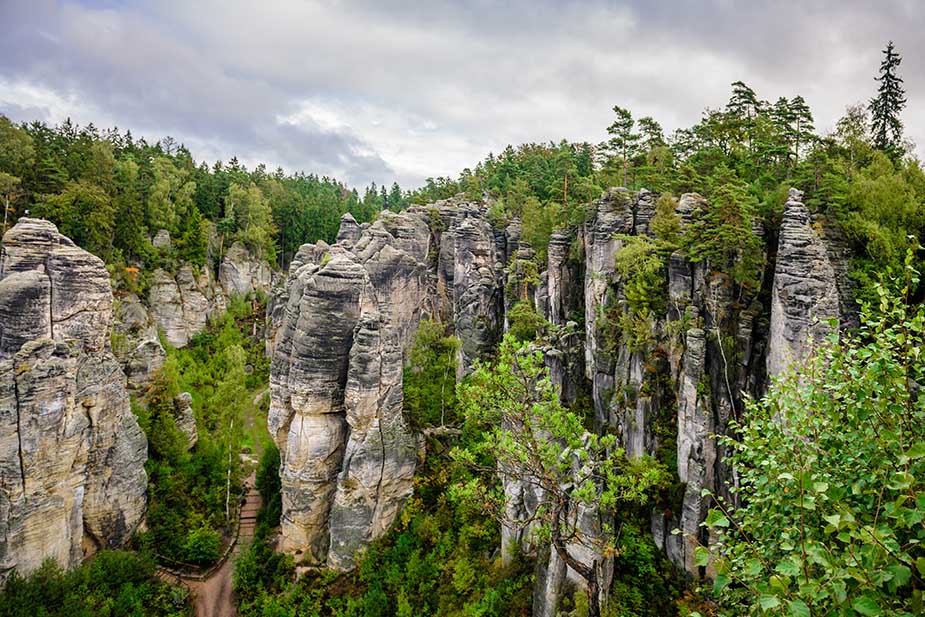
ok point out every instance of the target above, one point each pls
(594, 607)
(587, 573)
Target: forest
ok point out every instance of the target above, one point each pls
(831, 527)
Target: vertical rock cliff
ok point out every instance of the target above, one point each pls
(351, 311)
(72, 476)
(348, 313)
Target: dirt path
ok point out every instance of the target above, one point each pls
(214, 597)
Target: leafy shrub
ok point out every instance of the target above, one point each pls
(832, 471)
(112, 583)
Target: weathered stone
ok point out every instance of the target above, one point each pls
(349, 231)
(72, 456)
(161, 239)
(338, 356)
(242, 273)
(805, 294)
(185, 419)
(135, 342)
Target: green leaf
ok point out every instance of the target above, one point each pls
(820, 487)
(768, 602)
(701, 556)
(901, 480)
(716, 519)
(833, 520)
(787, 568)
(916, 451)
(866, 606)
(798, 608)
(920, 565)
(901, 574)
(720, 583)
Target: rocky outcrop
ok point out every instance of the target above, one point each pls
(348, 312)
(135, 341)
(72, 476)
(185, 418)
(806, 294)
(181, 304)
(241, 273)
(351, 312)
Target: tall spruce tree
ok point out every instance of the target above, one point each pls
(886, 127)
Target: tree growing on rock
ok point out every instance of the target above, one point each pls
(523, 429)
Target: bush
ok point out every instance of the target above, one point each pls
(832, 474)
(112, 583)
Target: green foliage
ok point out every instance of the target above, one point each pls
(203, 546)
(645, 582)
(525, 323)
(643, 279)
(436, 560)
(253, 219)
(112, 583)
(723, 234)
(84, 212)
(109, 191)
(832, 471)
(513, 408)
(187, 490)
(269, 485)
(666, 224)
(430, 377)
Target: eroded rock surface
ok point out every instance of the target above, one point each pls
(806, 294)
(351, 311)
(72, 476)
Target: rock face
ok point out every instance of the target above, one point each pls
(806, 293)
(242, 273)
(351, 311)
(185, 419)
(135, 341)
(180, 305)
(72, 476)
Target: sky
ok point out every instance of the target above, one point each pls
(382, 91)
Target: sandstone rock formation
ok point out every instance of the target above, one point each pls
(806, 294)
(135, 341)
(348, 457)
(72, 476)
(242, 273)
(180, 305)
(185, 419)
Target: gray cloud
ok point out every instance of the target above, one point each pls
(373, 90)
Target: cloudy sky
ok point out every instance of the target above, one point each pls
(384, 90)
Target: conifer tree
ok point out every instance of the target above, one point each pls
(886, 127)
(622, 139)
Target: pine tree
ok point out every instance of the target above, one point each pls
(802, 125)
(623, 141)
(886, 127)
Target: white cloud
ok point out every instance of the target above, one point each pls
(401, 90)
